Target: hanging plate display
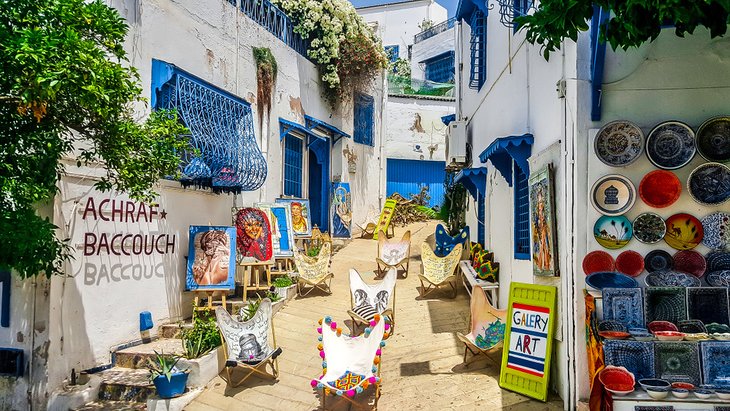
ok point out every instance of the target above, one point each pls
(596, 261)
(670, 278)
(718, 260)
(684, 231)
(613, 232)
(671, 145)
(709, 184)
(713, 139)
(608, 279)
(619, 143)
(630, 263)
(717, 230)
(649, 228)
(613, 195)
(691, 262)
(660, 188)
(719, 278)
(657, 260)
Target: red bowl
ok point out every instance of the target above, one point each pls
(614, 335)
(660, 188)
(655, 326)
(597, 261)
(630, 263)
(617, 378)
(685, 385)
(690, 262)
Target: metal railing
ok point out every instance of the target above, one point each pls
(434, 30)
(275, 21)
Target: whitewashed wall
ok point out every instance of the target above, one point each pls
(430, 47)
(415, 122)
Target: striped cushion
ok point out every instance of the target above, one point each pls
(366, 311)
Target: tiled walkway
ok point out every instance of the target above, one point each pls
(422, 363)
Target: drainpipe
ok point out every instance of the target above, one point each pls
(383, 130)
(29, 392)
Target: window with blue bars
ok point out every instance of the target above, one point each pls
(440, 68)
(520, 8)
(522, 213)
(364, 114)
(392, 52)
(293, 165)
(478, 48)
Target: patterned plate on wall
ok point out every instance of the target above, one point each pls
(715, 364)
(613, 195)
(624, 305)
(717, 230)
(608, 279)
(657, 260)
(671, 145)
(713, 139)
(684, 231)
(665, 304)
(708, 304)
(671, 278)
(635, 356)
(630, 263)
(718, 278)
(613, 232)
(619, 143)
(677, 362)
(660, 189)
(649, 228)
(709, 184)
(596, 261)
(690, 261)
(718, 260)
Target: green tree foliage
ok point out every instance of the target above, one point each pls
(631, 22)
(66, 91)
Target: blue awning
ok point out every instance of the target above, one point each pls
(505, 149)
(313, 123)
(466, 7)
(448, 119)
(474, 179)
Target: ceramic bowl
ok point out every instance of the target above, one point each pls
(680, 392)
(656, 383)
(658, 393)
(669, 335)
(620, 390)
(702, 393)
(614, 335)
(696, 337)
(617, 380)
(721, 336)
(655, 326)
(685, 385)
(641, 334)
(723, 394)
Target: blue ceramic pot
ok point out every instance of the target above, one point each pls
(175, 387)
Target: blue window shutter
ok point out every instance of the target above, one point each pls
(364, 114)
(481, 216)
(522, 214)
(392, 52)
(441, 69)
(478, 48)
(293, 166)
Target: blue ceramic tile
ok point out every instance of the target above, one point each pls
(636, 356)
(708, 304)
(715, 363)
(677, 362)
(624, 305)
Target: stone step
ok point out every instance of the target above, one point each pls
(137, 357)
(125, 384)
(112, 406)
(173, 330)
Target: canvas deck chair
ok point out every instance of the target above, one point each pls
(487, 326)
(350, 364)
(247, 343)
(369, 224)
(437, 272)
(444, 243)
(368, 300)
(314, 271)
(393, 254)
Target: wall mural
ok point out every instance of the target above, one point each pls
(211, 259)
(254, 235)
(542, 222)
(341, 211)
(301, 220)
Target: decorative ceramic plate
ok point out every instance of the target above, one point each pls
(660, 188)
(713, 139)
(721, 336)
(718, 260)
(718, 278)
(671, 145)
(596, 261)
(671, 278)
(611, 325)
(658, 260)
(708, 304)
(624, 305)
(613, 194)
(630, 263)
(715, 328)
(655, 326)
(636, 356)
(677, 362)
(709, 184)
(613, 232)
(715, 364)
(692, 326)
(691, 262)
(649, 228)
(614, 335)
(669, 335)
(617, 378)
(717, 230)
(665, 304)
(697, 337)
(609, 279)
(619, 143)
(684, 231)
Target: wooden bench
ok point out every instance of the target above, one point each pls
(470, 279)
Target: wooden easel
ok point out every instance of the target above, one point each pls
(209, 294)
(246, 271)
(284, 265)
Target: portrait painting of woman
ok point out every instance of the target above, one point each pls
(542, 224)
(341, 212)
(300, 218)
(211, 260)
(254, 234)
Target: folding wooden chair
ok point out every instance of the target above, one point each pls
(487, 326)
(314, 271)
(444, 243)
(368, 300)
(368, 226)
(438, 271)
(393, 254)
(247, 344)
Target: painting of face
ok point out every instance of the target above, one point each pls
(542, 223)
(252, 227)
(254, 234)
(211, 262)
(301, 221)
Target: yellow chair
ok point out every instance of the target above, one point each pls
(438, 271)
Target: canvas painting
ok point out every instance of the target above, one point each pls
(211, 258)
(253, 230)
(282, 236)
(542, 224)
(300, 218)
(341, 211)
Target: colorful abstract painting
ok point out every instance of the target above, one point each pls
(300, 218)
(542, 224)
(211, 258)
(282, 235)
(341, 211)
(254, 235)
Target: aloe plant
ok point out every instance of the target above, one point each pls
(162, 365)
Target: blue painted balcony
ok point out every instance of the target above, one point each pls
(434, 30)
(275, 21)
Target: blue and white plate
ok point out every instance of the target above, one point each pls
(717, 230)
(671, 278)
(613, 195)
(713, 139)
(657, 260)
(708, 304)
(718, 278)
(610, 279)
(718, 260)
(715, 364)
(709, 184)
(671, 145)
(635, 356)
(619, 143)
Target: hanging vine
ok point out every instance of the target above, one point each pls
(266, 70)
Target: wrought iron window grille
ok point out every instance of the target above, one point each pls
(275, 21)
(509, 10)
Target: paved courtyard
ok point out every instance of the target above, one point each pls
(421, 364)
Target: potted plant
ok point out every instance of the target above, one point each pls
(282, 285)
(169, 381)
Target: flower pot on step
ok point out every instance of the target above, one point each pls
(174, 387)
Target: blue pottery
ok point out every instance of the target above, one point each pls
(175, 387)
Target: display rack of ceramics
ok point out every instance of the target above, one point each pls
(665, 304)
(610, 279)
(718, 260)
(596, 261)
(624, 305)
(613, 232)
(657, 260)
(619, 143)
(649, 228)
(684, 231)
(709, 184)
(719, 278)
(671, 145)
(716, 227)
(691, 262)
(708, 304)
(671, 278)
(613, 195)
(617, 380)
(677, 361)
(630, 263)
(660, 189)
(636, 356)
(713, 139)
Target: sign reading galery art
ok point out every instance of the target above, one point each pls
(528, 339)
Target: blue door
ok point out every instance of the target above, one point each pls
(319, 182)
(406, 177)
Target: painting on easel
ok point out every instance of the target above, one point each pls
(253, 229)
(211, 258)
(300, 218)
(341, 211)
(282, 235)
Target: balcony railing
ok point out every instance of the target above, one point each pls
(275, 21)
(434, 30)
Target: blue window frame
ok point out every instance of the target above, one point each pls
(440, 68)
(293, 165)
(519, 8)
(481, 217)
(364, 114)
(522, 213)
(392, 52)
(478, 45)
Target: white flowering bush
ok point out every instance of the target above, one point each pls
(344, 48)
